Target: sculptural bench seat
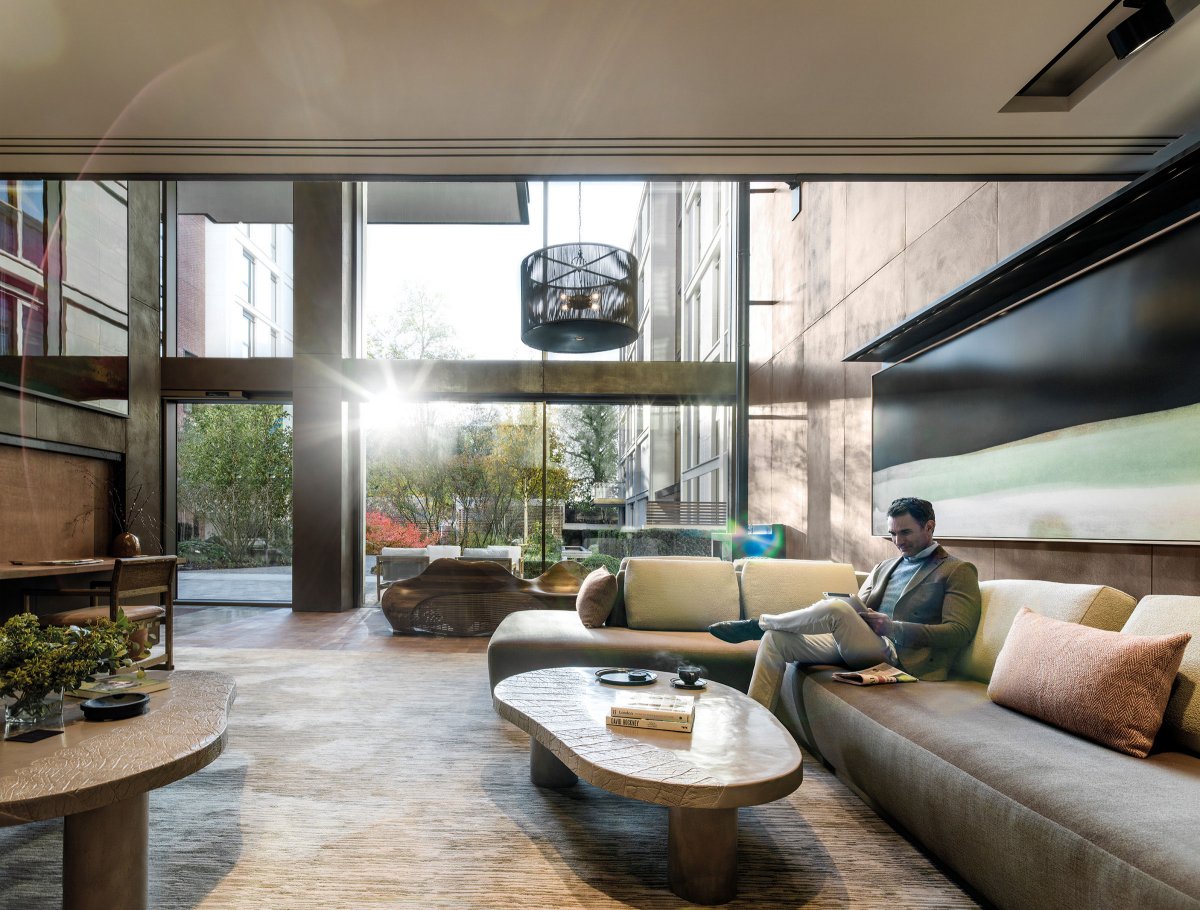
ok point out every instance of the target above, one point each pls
(464, 597)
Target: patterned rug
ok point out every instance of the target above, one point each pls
(384, 779)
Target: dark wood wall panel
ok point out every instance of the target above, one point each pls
(54, 506)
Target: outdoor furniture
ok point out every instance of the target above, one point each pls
(509, 557)
(135, 579)
(394, 564)
(465, 597)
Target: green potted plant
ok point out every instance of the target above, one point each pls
(37, 663)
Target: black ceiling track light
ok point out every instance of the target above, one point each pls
(1151, 20)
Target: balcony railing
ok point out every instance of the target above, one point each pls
(596, 514)
(685, 513)
(608, 492)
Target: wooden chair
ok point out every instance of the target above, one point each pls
(136, 578)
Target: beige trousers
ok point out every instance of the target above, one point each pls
(828, 632)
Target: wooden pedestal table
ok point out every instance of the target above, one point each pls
(738, 754)
(98, 775)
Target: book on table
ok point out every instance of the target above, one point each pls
(647, 723)
(875, 676)
(654, 706)
(652, 711)
(123, 684)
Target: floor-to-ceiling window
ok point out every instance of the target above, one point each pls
(230, 459)
(471, 454)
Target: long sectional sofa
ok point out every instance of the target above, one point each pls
(1028, 815)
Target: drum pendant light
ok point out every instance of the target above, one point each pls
(579, 298)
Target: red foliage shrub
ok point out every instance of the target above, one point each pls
(382, 531)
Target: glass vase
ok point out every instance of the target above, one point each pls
(33, 711)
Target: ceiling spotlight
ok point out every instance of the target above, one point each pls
(1151, 20)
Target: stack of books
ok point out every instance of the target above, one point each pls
(648, 711)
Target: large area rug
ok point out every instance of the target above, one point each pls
(384, 779)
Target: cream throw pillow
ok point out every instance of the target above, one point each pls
(597, 594)
(1108, 686)
(671, 595)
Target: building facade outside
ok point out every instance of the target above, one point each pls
(675, 461)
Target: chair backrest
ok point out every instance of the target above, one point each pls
(142, 575)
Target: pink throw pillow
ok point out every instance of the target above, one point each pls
(597, 594)
(1107, 686)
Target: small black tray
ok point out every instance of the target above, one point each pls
(115, 707)
(624, 676)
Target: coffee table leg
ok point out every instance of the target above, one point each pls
(104, 856)
(702, 854)
(546, 770)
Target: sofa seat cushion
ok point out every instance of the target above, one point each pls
(537, 639)
(1054, 820)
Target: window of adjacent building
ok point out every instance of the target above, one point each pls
(246, 290)
(22, 325)
(95, 283)
(247, 347)
(23, 220)
(233, 247)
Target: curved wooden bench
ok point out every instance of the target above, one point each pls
(464, 597)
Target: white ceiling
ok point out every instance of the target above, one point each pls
(562, 87)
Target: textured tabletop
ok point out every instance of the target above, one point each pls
(738, 754)
(95, 764)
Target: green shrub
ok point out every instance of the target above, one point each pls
(612, 563)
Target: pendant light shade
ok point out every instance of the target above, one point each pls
(579, 298)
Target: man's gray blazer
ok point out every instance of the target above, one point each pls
(936, 615)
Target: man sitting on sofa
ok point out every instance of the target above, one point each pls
(915, 612)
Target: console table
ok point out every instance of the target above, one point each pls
(98, 775)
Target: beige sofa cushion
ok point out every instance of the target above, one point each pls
(1108, 686)
(617, 616)
(1097, 606)
(597, 594)
(679, 595)
(1164, 614)
(779, 585)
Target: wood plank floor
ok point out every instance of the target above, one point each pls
(364, 629)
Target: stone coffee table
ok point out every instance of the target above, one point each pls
(98, 775)
(738, 754)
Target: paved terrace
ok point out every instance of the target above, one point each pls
(265, 584)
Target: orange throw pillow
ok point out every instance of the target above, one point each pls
(597, 594)
(1107, 686)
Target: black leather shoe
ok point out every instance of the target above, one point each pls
(735, 630)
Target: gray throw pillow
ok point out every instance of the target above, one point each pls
(597, 594)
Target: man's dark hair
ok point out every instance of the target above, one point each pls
(920, 509)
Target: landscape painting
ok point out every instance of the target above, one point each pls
(1075, 416)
